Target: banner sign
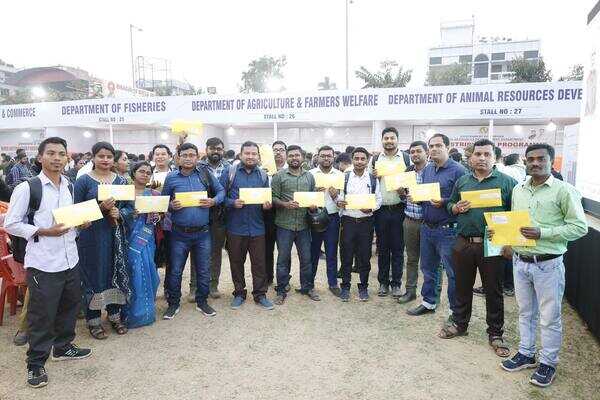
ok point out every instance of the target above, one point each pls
(432, 103)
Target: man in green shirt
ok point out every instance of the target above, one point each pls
(557, 217)
(292, 225)
(468, 252)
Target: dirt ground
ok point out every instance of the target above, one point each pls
(302, 350)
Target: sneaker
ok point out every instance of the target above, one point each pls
(335, 291)
(419, 310)
(508, 292)
(37, 377)
(363, 294)
(171, 312)
(214, 293)
(237, 302)
(279, 299)
(288, 288)
(384, 290)
(206, 309)
(71, 352)
(265, 303)
(543, 376)
(396, 292)
(20, 338)
(312, 294)
(479, 291)
(518, 362)
(345, 295)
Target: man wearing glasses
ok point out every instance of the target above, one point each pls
(331, 235)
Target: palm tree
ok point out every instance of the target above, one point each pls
(389, 75)
(327, 84)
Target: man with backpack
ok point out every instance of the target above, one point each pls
(218, 167)
(190, 228)
(357, 225)
(51, 260)
(246, 227)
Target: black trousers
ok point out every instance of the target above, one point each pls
(468, 257)
(270, 241)
(356, 237)
(54, 301)
(239, 247)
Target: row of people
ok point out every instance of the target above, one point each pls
(446, 232)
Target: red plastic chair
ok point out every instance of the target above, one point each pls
(13, 278)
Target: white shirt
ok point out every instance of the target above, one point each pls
(330, 204)
(48, 254)
(361, 185)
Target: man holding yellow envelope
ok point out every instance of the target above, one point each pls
(292, 224)
(190, 228)
(359, 199)
(484, 190)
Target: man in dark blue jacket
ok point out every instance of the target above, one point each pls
(246, 227)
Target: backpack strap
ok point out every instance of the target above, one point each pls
(206, 180)
(35, 199)
(232, 171)
(346, 179)
(373, 183)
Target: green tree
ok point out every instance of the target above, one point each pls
(576, 74)
(327, 84)
(530, 71)
(260, 71)
(390, 74)
(453, 74)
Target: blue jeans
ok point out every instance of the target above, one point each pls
(331, 238)
(285, 239)
(539, 289)
(390, 245)
(180, 246)
(436, 247)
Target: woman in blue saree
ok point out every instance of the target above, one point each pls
(141, 308)
(102, 246)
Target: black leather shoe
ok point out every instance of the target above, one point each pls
(419, 310)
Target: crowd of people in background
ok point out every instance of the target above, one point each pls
(111, 264)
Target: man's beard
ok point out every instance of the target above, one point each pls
(215, 157)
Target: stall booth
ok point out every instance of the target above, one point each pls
(513, 115)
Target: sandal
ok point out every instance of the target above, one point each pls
(119, 327)
(97, 332)
(497, 343)
(451, 330)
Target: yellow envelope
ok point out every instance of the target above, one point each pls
(190, 199)
(77, 214)
(308, 199)
(326, 181)
(401, 180)
(426, 192)
(483, 198)
(182, 127)
(360, 201)
(149, 204)
(267, 159)
(507, 225)
(255, 195)
(117, 192)
(386, 168)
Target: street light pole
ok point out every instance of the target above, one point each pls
(347, 2)
(131, 48)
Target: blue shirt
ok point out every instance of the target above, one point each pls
(190, 217)
(446, 175)
(248, 220)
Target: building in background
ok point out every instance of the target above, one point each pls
(6, 73)
(488, 58)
